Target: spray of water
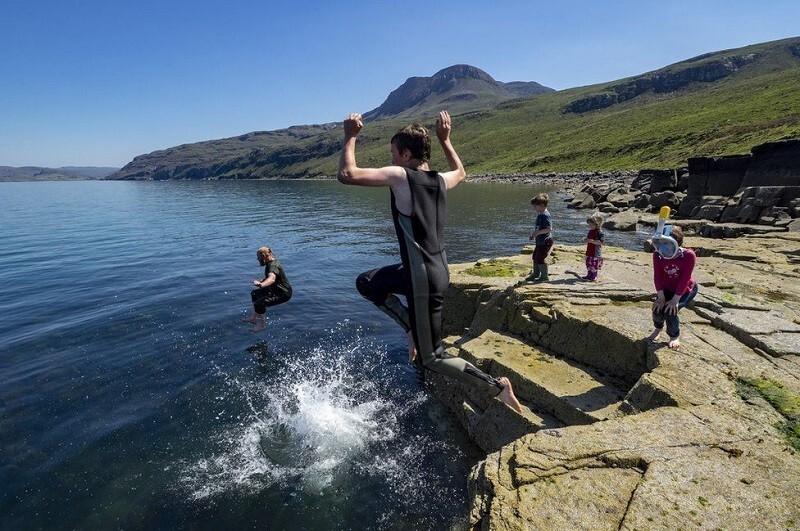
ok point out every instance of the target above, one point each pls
(317, 420)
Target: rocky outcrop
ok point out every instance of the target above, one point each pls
(618, 433)
(774, 164)
(717, 175)
(698, 70)
(730, 193)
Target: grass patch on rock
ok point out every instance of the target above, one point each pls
(791, 431)
(497, 267)
(785, 402)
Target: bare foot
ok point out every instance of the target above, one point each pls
(507, 395)
(674, 344)
(654, 335)
(260, 326)
(252, 319)
(412, 348)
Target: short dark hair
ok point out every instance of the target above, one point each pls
(541, 199)
(416, 139)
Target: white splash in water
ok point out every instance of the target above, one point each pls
(317, 428)
(307, 424)
(342, 426)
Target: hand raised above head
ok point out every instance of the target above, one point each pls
(353, 124)
(443, 126)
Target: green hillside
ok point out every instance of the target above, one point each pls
(758, 103)
(721, 103)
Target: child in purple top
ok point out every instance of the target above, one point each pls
(594, 247)
(675, 288)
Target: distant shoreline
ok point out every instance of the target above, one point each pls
(565, 179)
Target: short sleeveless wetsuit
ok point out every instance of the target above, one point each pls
(423, 278)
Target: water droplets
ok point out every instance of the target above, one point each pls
(313, 419)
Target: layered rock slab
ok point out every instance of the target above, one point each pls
(683, 448)
(664, 469)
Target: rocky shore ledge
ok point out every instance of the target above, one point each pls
(618, 433)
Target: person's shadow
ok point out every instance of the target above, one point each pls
(262, 355)
(558, 282)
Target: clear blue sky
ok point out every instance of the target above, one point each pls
(95, 83)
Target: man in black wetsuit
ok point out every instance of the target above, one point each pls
(273, 289)
(418, 200)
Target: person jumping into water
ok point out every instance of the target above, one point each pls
(271, 290)
(418, 201)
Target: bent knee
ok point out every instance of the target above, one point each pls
(363, 286)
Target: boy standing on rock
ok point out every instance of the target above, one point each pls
(418, 201)
(543, 238)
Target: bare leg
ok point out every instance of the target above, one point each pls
(412, 349)
(654, 335)
(674, 343)
(507, 395)
(260, 324)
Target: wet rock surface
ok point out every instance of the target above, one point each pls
(618, 432)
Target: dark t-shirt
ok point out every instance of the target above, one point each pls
(281, 282)
(543, 220)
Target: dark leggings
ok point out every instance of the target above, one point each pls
(381, 286)
(673, 323)
(269, 296)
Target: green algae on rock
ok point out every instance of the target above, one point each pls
(497, 267)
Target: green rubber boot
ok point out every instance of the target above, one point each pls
(534, 276)
(543, 276)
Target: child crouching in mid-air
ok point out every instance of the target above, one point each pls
(543, 238)
(594, 247)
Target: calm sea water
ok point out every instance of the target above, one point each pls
(132, 397)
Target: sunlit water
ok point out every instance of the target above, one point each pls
(132, 396)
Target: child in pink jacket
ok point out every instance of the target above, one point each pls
(675, 288)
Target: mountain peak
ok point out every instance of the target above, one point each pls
(462, 72)
(459, 88)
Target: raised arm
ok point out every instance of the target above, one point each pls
(456, 174)
(350, 173)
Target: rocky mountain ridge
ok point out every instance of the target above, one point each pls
(459, 87)
(702, 69)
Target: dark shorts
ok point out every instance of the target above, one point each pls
(542, 250)
(269, 296)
